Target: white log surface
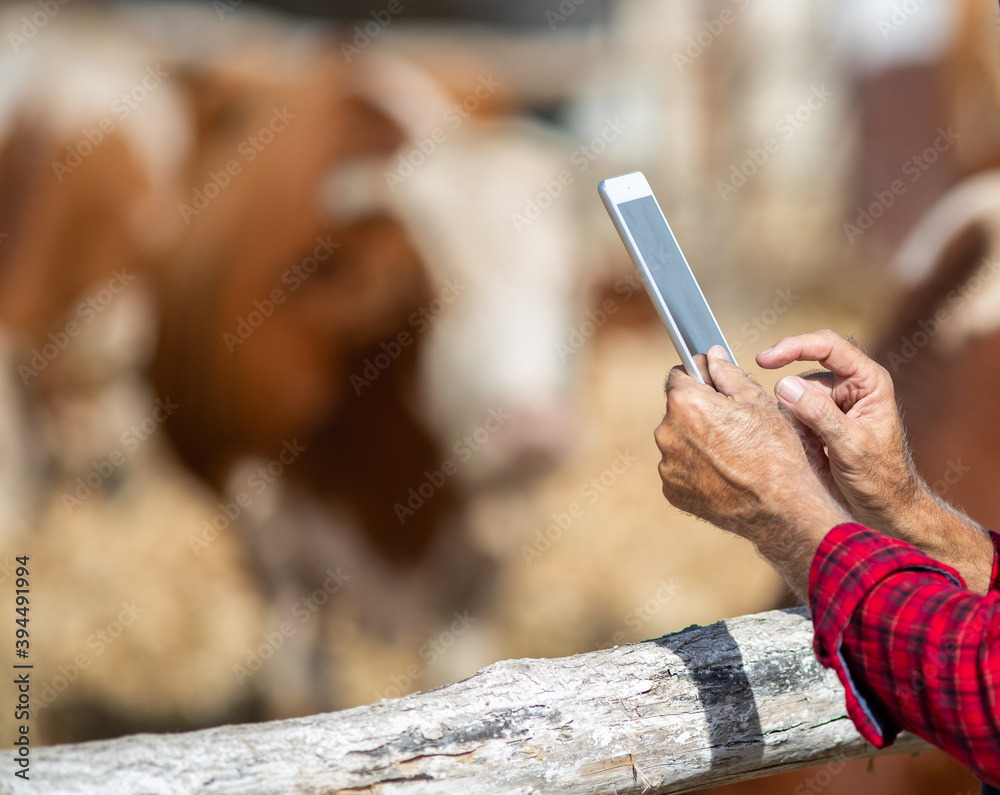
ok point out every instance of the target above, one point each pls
(707, 705)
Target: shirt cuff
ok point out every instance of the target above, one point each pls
(850, 562)
(995, 575)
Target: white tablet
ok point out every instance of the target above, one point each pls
(662, 267)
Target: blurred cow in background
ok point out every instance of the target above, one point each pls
(941, 348)
(972, 77)
(339, 281)
(512, 274)
(181, 255)
(469, 392)
(941, 344)
(110, 148)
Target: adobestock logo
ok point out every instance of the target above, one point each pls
(589, 493)
(294, 277)
(817, 782)
(420, 321)
(424, 148)
(430, 652)
(304, 609)
(640, 615)
(954, 302)
(564, 11)
(103, 470)
(31, 26)
(594, 320)
(257, 483)
(250, 147)
(901, 14)
(953, 473)
(97, 642)
(913, 169)
(367, 32)
(223, 7)
(711, 29)
(122, 107)
(87, 311)
(581, 159)
(785, 128)
(758, 325)
(464, 450)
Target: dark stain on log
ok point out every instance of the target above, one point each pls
(777, 676)
(503, 724)
(724, 690)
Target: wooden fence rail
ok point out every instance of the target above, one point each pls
(708, 705)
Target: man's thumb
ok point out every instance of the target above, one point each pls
(813, 406)
(727, 378)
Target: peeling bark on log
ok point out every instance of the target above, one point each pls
(708, 705)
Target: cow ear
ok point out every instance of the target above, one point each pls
(959, 256)
(952, 262)
(427, 77)
(404, 95)
(220, 102)
(373, 132)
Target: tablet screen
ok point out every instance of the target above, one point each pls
(671, 274)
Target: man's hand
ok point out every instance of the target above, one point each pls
(731, 457)
(852, 410)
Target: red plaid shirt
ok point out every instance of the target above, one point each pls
(912, 646)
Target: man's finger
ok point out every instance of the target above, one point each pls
(828, 348)
(821, 379)
(677, 376)
(815, 452)
(729, 379)
(812, 405)
(701, 362)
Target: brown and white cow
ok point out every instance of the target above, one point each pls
(941, 346)
(251, 305)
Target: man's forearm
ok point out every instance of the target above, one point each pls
(790, 541)
(948, 535)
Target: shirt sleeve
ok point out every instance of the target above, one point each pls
(995, 576)
(911, 645)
